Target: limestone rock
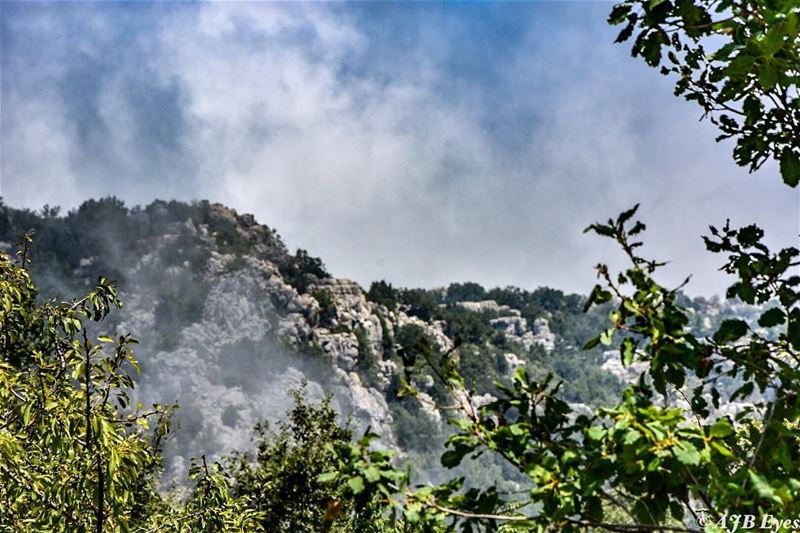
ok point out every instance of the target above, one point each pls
(487, 306)
(542, 334)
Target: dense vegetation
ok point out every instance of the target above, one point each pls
(75, 456)
(101, 236)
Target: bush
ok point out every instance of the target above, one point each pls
(415, 429)
(465, 292)
(303, 270)
(384, 294)
(282, 479)
(367, 365)
(327, 307)
(419, 302)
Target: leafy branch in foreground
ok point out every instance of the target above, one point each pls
(666, 450)
(74, 455)
(738, 59)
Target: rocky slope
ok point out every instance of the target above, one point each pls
(229, 320)
(253, 337)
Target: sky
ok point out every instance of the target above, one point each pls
(421, 143)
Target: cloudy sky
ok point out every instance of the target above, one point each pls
(420, 143)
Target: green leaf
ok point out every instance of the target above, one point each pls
(452, 458)
(628, 349)
(631, 436)
(618, 14)
(745, 291)
(768, 76)
(327, 477)
(596, 432)
(606, 336)
(774, 39)
(722, 449)
(725, 51)
(686, 453)
(626, 215)
(676, 510)
(771, 318)
(356, 484)
(790, 167)
(372, 474)
(651, 51)
(763, 488)
(601, 229)
(591, 343)
(749, 235)
(638, 227)
(743, 391)
(740, 67)
(793, 329)
(625, 33)
(722, 428)
(730, 330)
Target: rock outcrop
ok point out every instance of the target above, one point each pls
(254, 337)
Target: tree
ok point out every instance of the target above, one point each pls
(664, 458)
(74, 455)
(660, 455)
(738, 59)
(303, 270)
(283, 482)
(69, 458)
(383, 293)
(465, 292)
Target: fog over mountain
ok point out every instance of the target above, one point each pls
(410, 142)
(229, 320)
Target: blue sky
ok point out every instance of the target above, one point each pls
(422, 143)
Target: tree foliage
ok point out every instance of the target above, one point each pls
(74, 455)
(661, 453)
(738, 59)
(666, 457)
(283, 481)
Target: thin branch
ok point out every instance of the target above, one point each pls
(630, 528)
(480, 516)
(622, 528)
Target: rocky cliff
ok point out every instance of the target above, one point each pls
(225, 334)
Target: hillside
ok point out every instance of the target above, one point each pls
(229, 319)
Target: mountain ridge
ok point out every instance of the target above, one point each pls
(229, 319)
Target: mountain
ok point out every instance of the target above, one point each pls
(229, 320)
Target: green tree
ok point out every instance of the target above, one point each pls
(303, 270)
(70, 457)
(327, 306)
(283, 479)
(74, 455)
(657, 456)
(738, 59)
(465, 292)
(383, 293)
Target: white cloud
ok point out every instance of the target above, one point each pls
(35, 153)
(380, 159)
